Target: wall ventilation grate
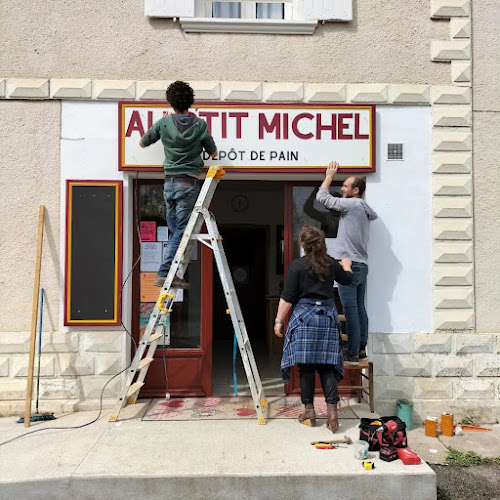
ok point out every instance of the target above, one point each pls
(395, 152)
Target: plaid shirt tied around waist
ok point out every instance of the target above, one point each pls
(313, 336)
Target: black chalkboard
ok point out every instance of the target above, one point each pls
(93, 278)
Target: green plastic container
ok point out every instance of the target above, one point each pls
(405, 412)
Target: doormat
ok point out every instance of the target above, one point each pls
(235, 408)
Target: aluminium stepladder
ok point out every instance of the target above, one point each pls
(147, 345)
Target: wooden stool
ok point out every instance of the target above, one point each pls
(362, 366)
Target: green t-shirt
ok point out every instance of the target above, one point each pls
(184, 137)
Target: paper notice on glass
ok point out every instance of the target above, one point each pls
(149, 292)
(148, 230)
(151, 257)
(179, 296)
(162, 233)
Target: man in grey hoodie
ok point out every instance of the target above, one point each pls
(352, 241)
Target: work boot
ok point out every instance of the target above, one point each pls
(176, 282)
(332, 416)
(308, 416)
(159, 281)
(180, 283)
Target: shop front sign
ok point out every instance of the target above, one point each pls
(261, 137)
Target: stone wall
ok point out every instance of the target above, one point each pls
(439, 372)
(457, 368)
(387, 41)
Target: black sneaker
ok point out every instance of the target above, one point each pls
(363, 356)
(351, 360)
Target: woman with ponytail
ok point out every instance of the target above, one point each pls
(313, 338)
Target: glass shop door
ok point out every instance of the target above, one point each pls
(183, 359)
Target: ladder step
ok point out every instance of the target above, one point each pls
(134, 388)
(144, 362)
(155, 336)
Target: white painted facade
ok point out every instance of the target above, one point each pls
(399, 272)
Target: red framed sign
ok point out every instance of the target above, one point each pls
(94, 253)
(264, 137)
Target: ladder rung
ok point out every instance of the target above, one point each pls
(134, 388)
(155, 336)
(144, 362)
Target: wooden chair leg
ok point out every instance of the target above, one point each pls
(370, 386)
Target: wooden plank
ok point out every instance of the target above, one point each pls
(34, 317)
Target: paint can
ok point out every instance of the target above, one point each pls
(447, 424)
(405, 411)
(431, 426)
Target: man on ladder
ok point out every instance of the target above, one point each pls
(190, 211)
(184, 137)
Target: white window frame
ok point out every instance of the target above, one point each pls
(297, 16)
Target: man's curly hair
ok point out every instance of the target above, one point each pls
(180, 95)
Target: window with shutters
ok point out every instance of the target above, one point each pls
(248, 16)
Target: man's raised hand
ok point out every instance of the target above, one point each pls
(332, 169)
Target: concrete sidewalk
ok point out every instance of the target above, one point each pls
(223, 459)
(435, 450)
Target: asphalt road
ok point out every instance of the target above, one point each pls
(468, 483)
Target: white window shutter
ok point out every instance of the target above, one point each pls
(169, 8)
(328, 10)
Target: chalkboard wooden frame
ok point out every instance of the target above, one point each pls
(115, 253)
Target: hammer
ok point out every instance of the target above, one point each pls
(346, 440)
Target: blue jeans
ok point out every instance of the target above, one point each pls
(180, 197)
(353, 302)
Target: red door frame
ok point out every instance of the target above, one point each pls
(180, 362)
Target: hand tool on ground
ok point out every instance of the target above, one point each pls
(345, 439)
(475, 428)
(390, 427)
(368, 465)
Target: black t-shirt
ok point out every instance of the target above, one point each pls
(301, 282)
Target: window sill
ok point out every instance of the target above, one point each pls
(271, 26)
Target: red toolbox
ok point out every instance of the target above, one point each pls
(408, 457)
